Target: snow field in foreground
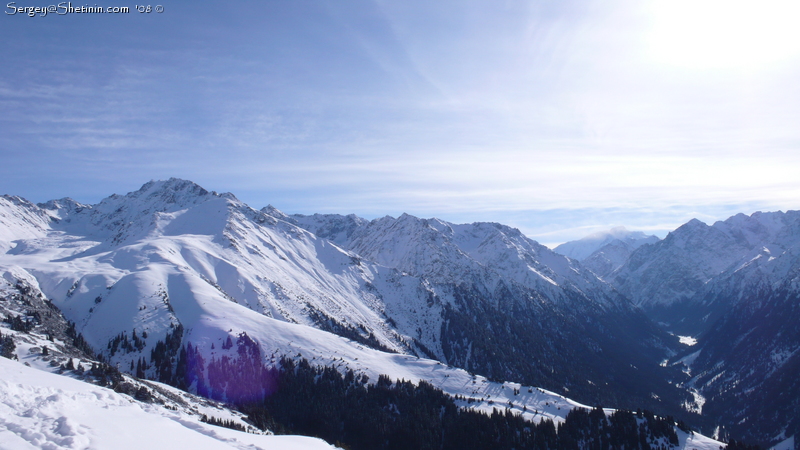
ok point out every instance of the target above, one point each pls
(40, 410)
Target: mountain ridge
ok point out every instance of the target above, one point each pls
(482, 297)
(151, 254)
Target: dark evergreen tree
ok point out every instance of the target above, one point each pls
(7, 347)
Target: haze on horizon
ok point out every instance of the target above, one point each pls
(559, 118)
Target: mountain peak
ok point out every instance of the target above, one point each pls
(171, 186)
(121, 217)
(64, 208)
(694, 223)
(161, 196)
(277, 214)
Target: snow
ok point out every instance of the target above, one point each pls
(696, 405)
(20, 219)
(697, 441)
(687, 361)
(687, 340)
(490, 254)
(787, 444)
(40, 410)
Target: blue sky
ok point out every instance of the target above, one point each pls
(558, 117)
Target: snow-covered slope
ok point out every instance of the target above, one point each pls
(20, 219)
(39, 409)
(44, 410)
(670, 278)
(54, 395)
(499, 300)
(583, 248)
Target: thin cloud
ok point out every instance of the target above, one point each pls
(555, 117)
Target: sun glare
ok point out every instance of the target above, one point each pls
(716, 34)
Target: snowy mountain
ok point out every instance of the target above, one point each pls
(70, 414)
(161, 409)
(173, 240)
(608, 258)
(606, 251)
(618, 236)
(481, 297)
(671, 278)
(175, 277)
(753, 378)
(500, 300)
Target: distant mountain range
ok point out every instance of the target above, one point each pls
(606, 251)
(175, 265)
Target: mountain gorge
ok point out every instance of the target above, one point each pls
(734, 286)
(173, 271)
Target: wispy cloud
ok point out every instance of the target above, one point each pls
(556, 117)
